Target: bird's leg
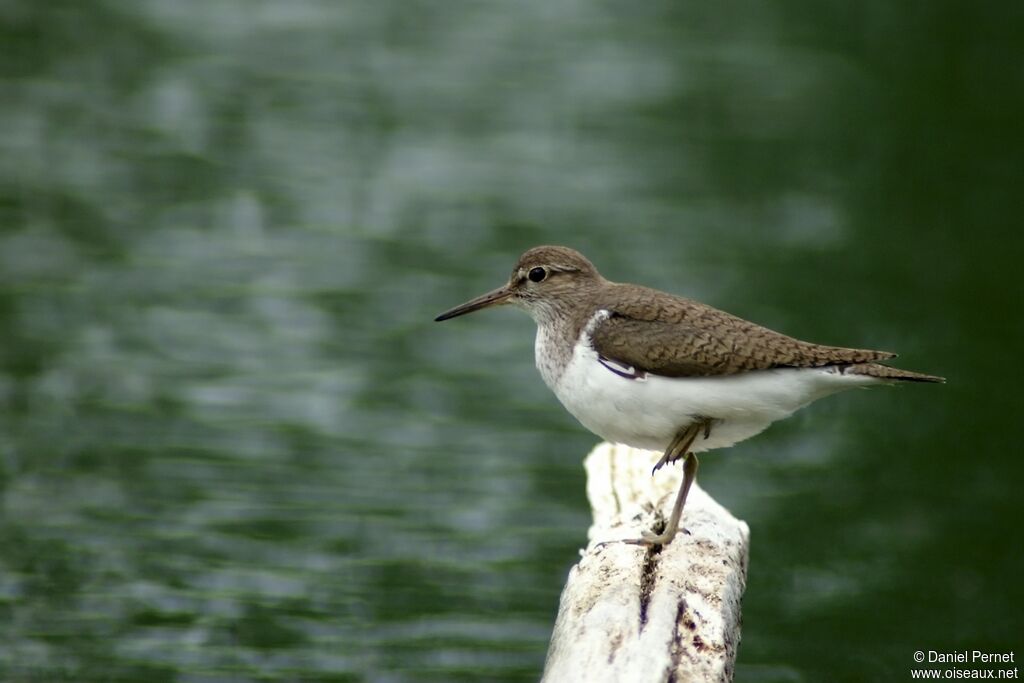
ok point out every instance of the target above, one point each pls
(679, 448)
(672, 526)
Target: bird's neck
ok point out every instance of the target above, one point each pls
(558, 332)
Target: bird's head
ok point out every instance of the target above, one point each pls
(544, 281)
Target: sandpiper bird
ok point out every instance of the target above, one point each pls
(656, 371)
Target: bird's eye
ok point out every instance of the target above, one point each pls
(537, 274)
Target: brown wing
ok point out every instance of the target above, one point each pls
(684, 338)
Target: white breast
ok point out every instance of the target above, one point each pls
(649, 412)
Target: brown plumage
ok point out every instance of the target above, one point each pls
(673, 336)
(677, 337)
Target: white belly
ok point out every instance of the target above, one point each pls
(649, 412)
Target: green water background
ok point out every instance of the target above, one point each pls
(234, 447)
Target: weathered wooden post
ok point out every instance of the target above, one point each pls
(629, 613)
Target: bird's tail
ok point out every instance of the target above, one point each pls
(887, 373)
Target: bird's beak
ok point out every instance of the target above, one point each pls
(495, 298)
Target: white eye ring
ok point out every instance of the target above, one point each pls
(537, 274)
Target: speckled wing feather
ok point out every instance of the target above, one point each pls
(677, 337)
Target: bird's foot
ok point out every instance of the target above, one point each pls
(666, 459)
(681, 444)
(648, 539)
